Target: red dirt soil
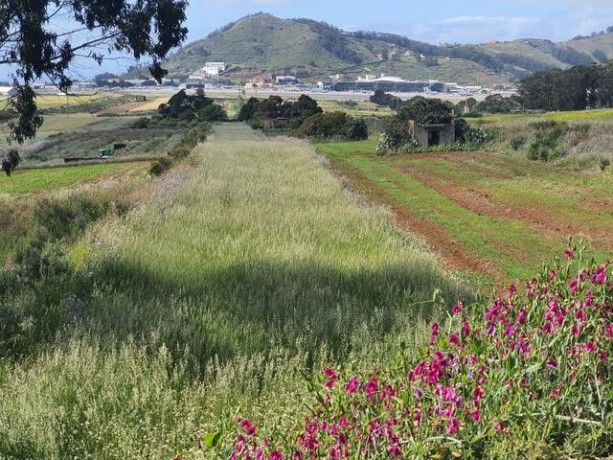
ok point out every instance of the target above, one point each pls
(477, 200)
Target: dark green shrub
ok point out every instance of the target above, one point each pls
(180, 152)
(62, 219)
(142, 123)
(517, 142)
(396, 135)
(159, 167)
(604, 163)
(546, 144)
(212, 112)
(337, 125)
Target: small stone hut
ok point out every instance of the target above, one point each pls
(431, 134)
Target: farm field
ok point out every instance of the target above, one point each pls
(48, 179)
(570, 116)
(485, 212)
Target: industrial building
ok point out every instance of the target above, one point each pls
(392, 85)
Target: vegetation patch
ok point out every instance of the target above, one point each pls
(506, 211)
(530, 371)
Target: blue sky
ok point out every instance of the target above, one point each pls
(472, 21)
(449, 21)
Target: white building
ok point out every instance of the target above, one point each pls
(214, 68)
(8, 91)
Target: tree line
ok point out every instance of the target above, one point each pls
(304, 118)
(578, 88)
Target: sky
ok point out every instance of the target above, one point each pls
(443, 21)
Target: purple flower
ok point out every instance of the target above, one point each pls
(600, 277)
(371, 387)
(395, 450)
(353, 385)
(454, 426)
(249, 427)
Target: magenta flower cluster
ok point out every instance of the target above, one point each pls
(536, 358)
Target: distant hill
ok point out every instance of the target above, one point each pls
(262, 44)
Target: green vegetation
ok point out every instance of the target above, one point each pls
(45, 179)
(162, 324)
(460, 193)
(577, 88)
(188, 108)
(275, 113)
(333, 125)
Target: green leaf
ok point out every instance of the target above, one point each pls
(211, 440)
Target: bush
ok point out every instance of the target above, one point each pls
(337, 125)
(547, 141)
(180, 152)
(517, 142)
(212, 112)
(604, 163)
(159, 167)
(528, 372)
(142, 123)
(396, 135)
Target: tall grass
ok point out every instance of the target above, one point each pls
(215, 298)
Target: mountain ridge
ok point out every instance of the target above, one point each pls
(262, 44)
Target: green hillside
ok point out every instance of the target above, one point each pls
(592, 45)
(262, 44)
(268, 43)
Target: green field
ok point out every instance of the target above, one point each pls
(597, 115)
(505, 213)
(48, 179)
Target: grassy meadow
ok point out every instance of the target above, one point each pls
(47, 179)
(240, 273)
(139, 315)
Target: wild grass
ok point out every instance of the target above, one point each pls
(570, 116)
(35, 180)
(208, 302)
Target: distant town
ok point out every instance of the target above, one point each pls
(212, 77)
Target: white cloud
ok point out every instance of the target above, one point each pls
(475, 29)
(472, 21)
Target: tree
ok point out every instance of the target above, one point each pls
(103, 79)
(31, 42)
(10, 162)
(426, 111)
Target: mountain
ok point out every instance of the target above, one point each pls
(262, 44)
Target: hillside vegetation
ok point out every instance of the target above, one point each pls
(262, 43)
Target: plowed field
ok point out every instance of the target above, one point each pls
(489, 213)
